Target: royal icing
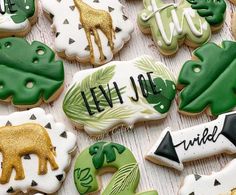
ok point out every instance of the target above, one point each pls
(213, 11)
(37, 75)
(172, 24)
(35, 152)
(16, 15)
(208, 85)
(89, 30)
(175, 147)
(102, 98)
(220, 183)
(107, 155)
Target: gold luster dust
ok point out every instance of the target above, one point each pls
(233, 192)
(93, 19)
(17, 141)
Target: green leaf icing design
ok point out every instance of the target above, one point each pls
(102, 150)
(81, 107)
(125, 177)
(111, 155)
(174, 24)
(209, 81)
(85, 179)
(163, 100)
(24, 9)
(212, 10)
(36, 73)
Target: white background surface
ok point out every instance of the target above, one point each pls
(166, 181)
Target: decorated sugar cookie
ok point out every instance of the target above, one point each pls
(35, 152)
(17, 17)
(29, 73)
(206, 85)
(103, 98)
(175, 147)
(88, 30)
(190, 22)
(107, 156)
(220, 183)
(233, 23)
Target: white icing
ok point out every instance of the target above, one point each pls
(61, 11)
(177, 25)
(122, 80)
(8, 25)
(46, 183)
(205, 184)
(221, 145)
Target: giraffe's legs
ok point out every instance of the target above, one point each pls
(87, 32)
(99, 44)
(109, 32)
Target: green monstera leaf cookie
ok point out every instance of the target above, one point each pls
(209, 81)
(28, 72)
(17, 17)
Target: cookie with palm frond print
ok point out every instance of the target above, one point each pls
(119, 93)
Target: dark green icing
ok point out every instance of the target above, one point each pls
(24, 9)
(213, 85)
(22, 63)
(166, 93)
(124, 181)
(102, 151)
(212, 10)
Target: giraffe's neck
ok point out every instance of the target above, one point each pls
(83, 7)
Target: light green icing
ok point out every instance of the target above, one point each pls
(28, 72)
(124, 181)
(187, 34)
